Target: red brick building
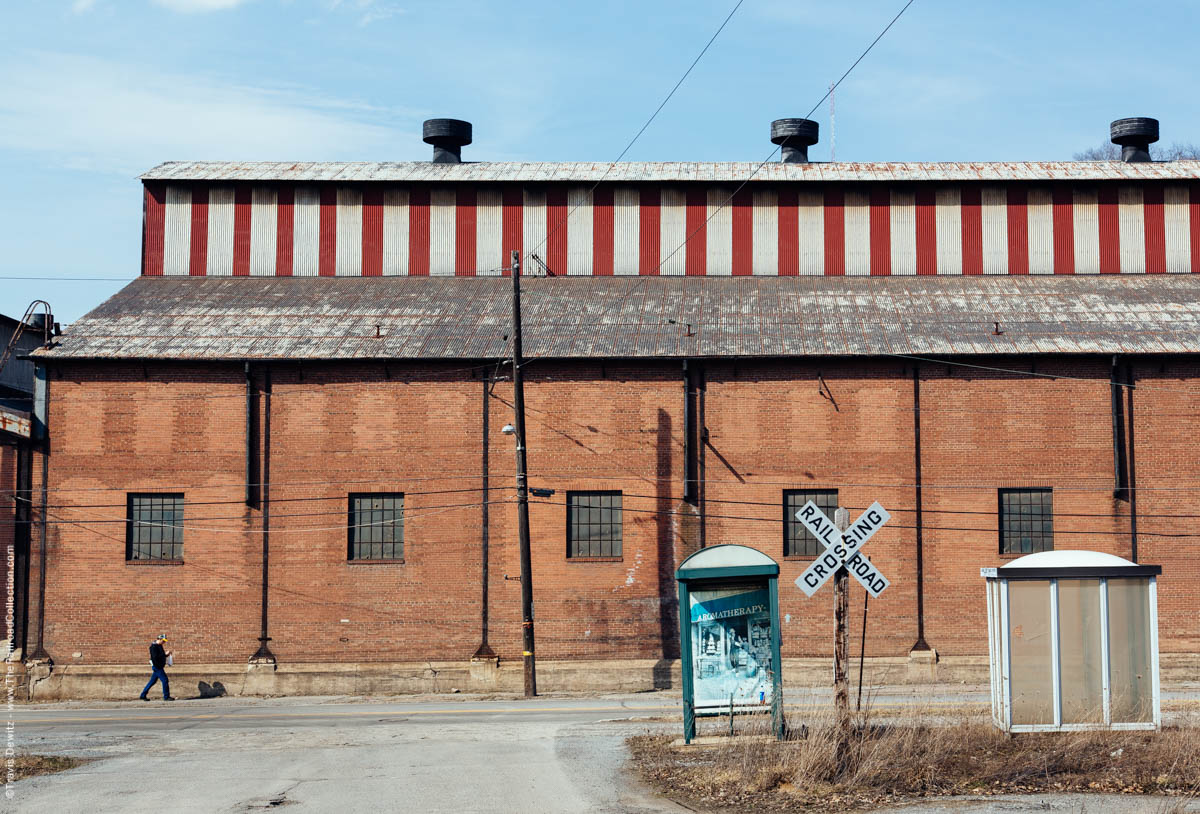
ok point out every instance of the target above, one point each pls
(281, 444)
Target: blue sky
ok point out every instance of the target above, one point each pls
(92, 92)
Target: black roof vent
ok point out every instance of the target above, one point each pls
(447, 137)
(795, 136)
(1135, 137)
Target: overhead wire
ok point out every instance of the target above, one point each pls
(186, 526)
(421, 511)
(69, 279)
(728, 200)
(755, 479)
(551, 232)
(364, 388)
(425, 622)
(771, 155)
(925, 527)
(612, 164)
(641, 280)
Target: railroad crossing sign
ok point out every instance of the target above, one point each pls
(842, 548)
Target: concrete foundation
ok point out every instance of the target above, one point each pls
(122, 681)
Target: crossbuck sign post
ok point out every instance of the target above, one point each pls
(843, 543)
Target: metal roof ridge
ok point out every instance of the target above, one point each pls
(709, 171)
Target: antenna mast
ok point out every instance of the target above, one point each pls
(832, 125)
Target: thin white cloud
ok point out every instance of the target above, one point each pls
(378, 14)
(192, 6)
(367, 11)
(82, 6)
(820, 14)
(92, 113)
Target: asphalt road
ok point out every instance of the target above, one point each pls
(238, 755)
(412, 754)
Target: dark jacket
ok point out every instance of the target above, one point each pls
(158, 656)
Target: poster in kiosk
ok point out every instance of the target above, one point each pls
(729, 639)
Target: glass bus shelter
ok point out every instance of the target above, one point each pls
(1073, 642)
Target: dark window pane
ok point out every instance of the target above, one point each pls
(376, 527)
(154, 527)
(593, 524)
(1026, 521)
(797, 541)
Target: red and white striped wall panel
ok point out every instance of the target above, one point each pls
(655, 229)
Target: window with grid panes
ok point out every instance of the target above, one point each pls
(376, 527)
(1026, 521)
(593, 524)
(154, 527)
(797, 540)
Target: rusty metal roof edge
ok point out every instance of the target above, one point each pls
(692, 171)
(669, 357)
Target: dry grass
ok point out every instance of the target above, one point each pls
(913, 755)
(24, 766)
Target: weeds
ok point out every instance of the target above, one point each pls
(917, 754)
(33, 765)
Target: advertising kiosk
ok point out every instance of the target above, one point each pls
(729, 635)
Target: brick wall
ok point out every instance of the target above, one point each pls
(417, 429)
(155, 429)
(1166, 403)
(982, 431)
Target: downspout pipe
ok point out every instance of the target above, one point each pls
(22, 537)
(264, 654)
(920, 644)
(41, 409)
(702, 442)
(1120, 468)
(690, 447)
(251, 441)
(1133, 538)
(484, 651)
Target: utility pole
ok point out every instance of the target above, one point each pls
(522, 486)
(841, 636)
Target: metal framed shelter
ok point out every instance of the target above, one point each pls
(729, 635)
(1073, 643)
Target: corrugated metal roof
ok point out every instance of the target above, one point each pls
(676, 171)
(468, 318)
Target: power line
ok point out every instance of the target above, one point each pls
(424, 621)
(419, 512)
(567, 217)
(663, 496)
(754, 172)
(364, 388)
(780, 504)
(435, 376)
(989, 530)
(665, 512)
(861, 57)
(800, 481)
(237, 381)
(771, 155)
(239, 486)
(71, 279)
(639, 133)
(273, 499)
